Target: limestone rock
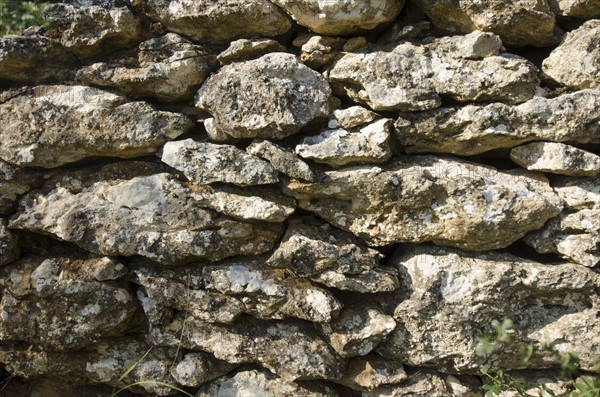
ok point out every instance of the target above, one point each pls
(9, 248)
(271, 293)
(431, 384)
(517, 23)
(49, 126)
(357, 331)
(371, 144)
(271, 97)
(33, 60)
(244, 50)
(290, 350)
(13, 183)
(220, 21)
(471, 129)
(372, 371)
(575, 233)
(91, 30)
(341, 17)
(352, 117)
(413, 77)
(204, 162)
(333, 258)
(425, 198)
(450, 296)
(153, 216)
(261, 383)
(556, 158)
(318, 51)
(195, 369)
(583, 9)
(574, 63)
(282, 160)
(533, 379)
(72, 306)
(168, 68)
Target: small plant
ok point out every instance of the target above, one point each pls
(17, 15)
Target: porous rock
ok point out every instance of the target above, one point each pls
(245, 49)
(9, 247)
(425, 198)
(49, 126)
(556, 158)
(154, 216)
(450, 296)
(430, 384)
(282, 160)
(318, 51)
(168, 68)
(341, 17)
(271, 97)
(196, 369)
(574, 63)
(583, 9)
(14, 182)
(354, 116)
(474, 129)
(372, 371)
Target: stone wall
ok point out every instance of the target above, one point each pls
(297, 197)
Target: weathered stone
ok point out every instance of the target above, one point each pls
(575, 233)
(34, 60)
(204, 162)
(195, 369)
(474, 129)
(69, 304)
(13, 184)
(281, 159)
(49, 126)
(271, 293)
(341, 17)
(244, 50)
(168, 68)
(290, 350)
(372, 371)
(9, 248)
(556, 158)
(449, 297)
(431, 384)
(333, 258)
(357, 331)
(271, 97)
(219, 21)
(91, 30)
(261, 383)
(519, 24)
(532, 380)
(413, 77)
(372, 144)
(583, 9)
(574, 63)
(318, 51)
(154, 216)
(352, 117)
(425, 198)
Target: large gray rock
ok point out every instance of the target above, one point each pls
(91, 30)
(574, 64)
(519, 23)
(341, 17)
(33, 60)
(471, 129)
(272, 97)
(282, 160)
(575, 233)
(413, 77)
(154, 216)
(450, 297)
(372, 371)
(9, 247)
(556, 158)
(49, 126)
(289, 349)
(167, 68)
(583, 9)
(219, 21)
(431, 384)
(425, 198)
(64, 303)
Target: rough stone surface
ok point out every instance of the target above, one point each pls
(413, 77)
(370, 372)
(575, 233)
(219, 21)
(430, 384)
(556, 158)
(282, 160)
(532, 380)
(574, 63)
(244, 50)
(372, 144)
(153, 216)
(518, 23)
(195, 369)
(89, 31)
(449, 296)
(167, 68)
(341, 17)
(576, 8)
(13, 184)
(240, 97)
(49, 126)
(354, 116)
(471, 129)
(9, 248)
(424, 198)
(318, 51)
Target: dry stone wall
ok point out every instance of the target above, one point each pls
(297, 197)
